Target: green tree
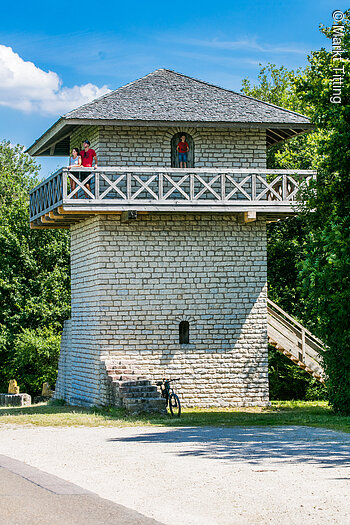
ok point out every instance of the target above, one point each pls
(286, 238)
(278, 86)
(34, 270)
(326, 269)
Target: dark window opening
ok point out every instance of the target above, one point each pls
(184, 333)
(174, 154)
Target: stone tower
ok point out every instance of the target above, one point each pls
(168, 264)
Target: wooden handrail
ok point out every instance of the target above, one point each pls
(147, 188)
(294, 321)
(161, 169)
(45, 181)
(294, 340)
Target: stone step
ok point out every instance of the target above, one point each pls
(138, 395)
(115, 370)
(137, 388)
(124, 377)
(132, 390)
(144, 405)
(120, 371)
(143, 382)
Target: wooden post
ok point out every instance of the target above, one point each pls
(303, 343)
(64, 182)
(253, 186)
(223, 186)
(128, 185)
(192, 175)
(160, 186)
(97, 186)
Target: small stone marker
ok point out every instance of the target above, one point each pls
(13, 388)
(13, 398)
(46, 391)
(46, 394)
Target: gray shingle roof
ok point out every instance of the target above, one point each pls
(165, 95)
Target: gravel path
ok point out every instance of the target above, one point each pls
(190, 476)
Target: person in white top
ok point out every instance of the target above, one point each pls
(75, 161)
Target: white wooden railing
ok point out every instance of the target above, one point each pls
(294, 340)
(147, 188)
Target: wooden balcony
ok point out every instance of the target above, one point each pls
(274, 193)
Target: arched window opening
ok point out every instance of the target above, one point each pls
(174, 153)
(184, 333)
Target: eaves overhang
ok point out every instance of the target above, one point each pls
(56, 140)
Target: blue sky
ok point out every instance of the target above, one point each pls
(56, 55)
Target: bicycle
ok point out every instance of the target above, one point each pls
(170, 397)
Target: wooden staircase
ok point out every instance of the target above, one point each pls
(294, 341)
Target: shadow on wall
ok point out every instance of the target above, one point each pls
(202, 288)
(255, 445)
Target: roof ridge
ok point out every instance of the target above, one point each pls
(231, 91)
(66, 115)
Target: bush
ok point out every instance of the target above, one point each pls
(288, 382)
(35, 359)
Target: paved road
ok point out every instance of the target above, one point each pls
(199, 476)
(29, 496)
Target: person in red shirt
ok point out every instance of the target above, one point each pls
(182, 149)
(88, 155)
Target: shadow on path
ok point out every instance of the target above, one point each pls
(255, 445)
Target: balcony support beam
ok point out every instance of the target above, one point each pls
(249, 216)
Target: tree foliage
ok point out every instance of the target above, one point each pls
(326, 269)
(309, 255)
(286, 238)
(34, 270)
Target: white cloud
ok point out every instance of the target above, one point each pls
(26, 87)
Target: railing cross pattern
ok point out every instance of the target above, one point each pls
(144, 186)
(292, 193)
(80, 185)
(113, 186)
(207, 186)
(269, 187)
(238, 187)
(50, 198)
(176, 186)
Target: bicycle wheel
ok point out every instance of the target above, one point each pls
(174, 405)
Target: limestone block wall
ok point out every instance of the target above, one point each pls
(134, 282)
(64, 365)
(82, 133)
(150, 146)
(85, 349)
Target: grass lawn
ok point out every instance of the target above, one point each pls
(310, 413)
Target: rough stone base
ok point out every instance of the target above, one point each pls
(15, 400)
